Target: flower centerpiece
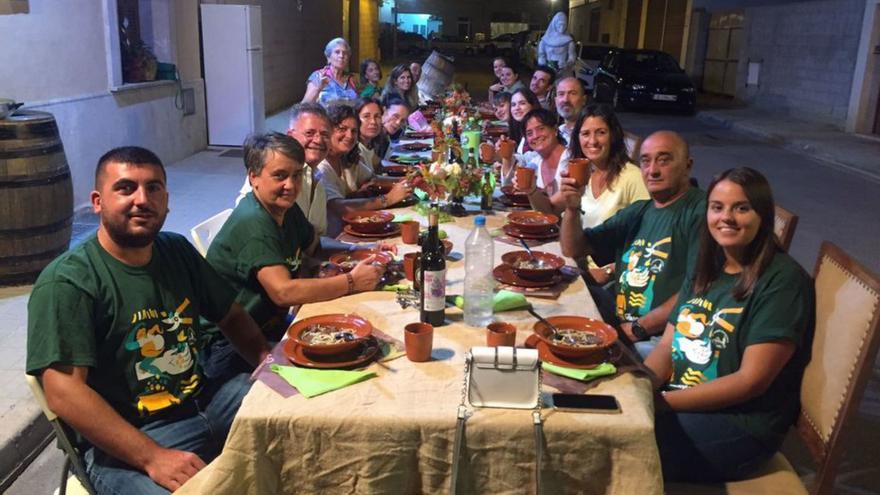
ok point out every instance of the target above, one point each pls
(447, 179)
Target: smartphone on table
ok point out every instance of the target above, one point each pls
(593, 403)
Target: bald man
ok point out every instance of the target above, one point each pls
(653, 242)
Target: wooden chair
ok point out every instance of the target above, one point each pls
(633, 144)
(784, 223)
(205, 232)
(844, 346)
(79, 482)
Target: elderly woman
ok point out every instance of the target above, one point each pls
(344, 174)
(730, 361)
(522, 102)
(371, 74)
(261, 248)
(400, 83)
(333, 82)
(369, 113)
(547, 157)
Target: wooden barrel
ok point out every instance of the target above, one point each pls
(437, 74)
(36, 196)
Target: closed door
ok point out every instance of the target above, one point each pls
(722, 53)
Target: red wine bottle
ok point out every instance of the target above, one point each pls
(433, 276)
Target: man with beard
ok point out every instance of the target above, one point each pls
(541, 84)
(114, 334)
(570, 101)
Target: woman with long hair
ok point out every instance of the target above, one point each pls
(344, 174)
(369, 113)
(400, 83)
(371, 74)
(522, 101)
(498, 63)
(333, 82)
(729, 364)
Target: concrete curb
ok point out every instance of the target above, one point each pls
(17, 452)
(794, 144)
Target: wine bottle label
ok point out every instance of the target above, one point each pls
(435, 290)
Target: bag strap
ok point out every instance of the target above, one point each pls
(462, 418)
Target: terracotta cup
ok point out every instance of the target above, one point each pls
(409, 232)
(435, 156)
(410, 261)
(524, 176)
(506, 147)
(500, 334)
(487, 152)
(418, 339)
(579, 170)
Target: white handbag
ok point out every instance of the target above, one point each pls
(503, 377)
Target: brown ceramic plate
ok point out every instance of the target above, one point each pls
(533, 222)
(550, 264)
(397, 170)
(391, 230)
(413, 147)
(418, 134)
(361, 355)
(515, 195)
(368, 221)
(505, 275)
(515, 232)
(359, 328)
(598, 353)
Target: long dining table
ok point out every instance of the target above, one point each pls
(394, 433)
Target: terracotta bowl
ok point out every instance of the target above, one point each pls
(550, 264)
(514, 195)
(346, 261)
(359, 328)
(597, 354)
(532, 222)
(368, 222)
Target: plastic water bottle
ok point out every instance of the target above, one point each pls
(479, 284)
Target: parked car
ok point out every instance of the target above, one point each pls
(589, 58)
(503, 44)
(449, 44)
(411, 43)
(631, 78)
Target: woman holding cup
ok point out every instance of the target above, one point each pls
(539, 171)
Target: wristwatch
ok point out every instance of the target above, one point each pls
(639, 331)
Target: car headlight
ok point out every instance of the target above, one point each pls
(688, 90)
(637, 87)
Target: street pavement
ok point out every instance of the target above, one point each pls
(835, 201)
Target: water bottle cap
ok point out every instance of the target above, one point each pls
(479, 220)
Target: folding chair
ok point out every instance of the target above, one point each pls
(633, 144)
(205, 232)
(79, 483)
(784, 223)
(844, 346)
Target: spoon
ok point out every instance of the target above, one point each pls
(528, 250)
(555, 331)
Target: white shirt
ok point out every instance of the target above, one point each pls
(626, 190)
(312, 204)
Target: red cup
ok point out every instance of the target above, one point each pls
(409, 231)
(500, 334)
(506, 148)
(418, 340)
(579, 170)
(524, 177)
(410, 261)
(487, 152)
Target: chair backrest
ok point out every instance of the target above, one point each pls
(784, 223)
(633, 144)
(844, 346)
(205, 232)
(63, 434)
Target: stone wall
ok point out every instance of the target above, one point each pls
(807, 52)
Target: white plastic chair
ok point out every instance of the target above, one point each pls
(205, 232)
(78, 483)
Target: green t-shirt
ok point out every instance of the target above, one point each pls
(712, 332)
(653, 249)
(137, 328)
(249, 240)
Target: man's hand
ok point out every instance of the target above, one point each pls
(366, 274)
(626, 327)
(171, 468)
(571, 194)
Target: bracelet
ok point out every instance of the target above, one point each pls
(350, 281)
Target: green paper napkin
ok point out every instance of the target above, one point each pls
(396, 287)
(603, 369)
(422, 195)
(311, 382)
(504, 300)
(402, 217)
